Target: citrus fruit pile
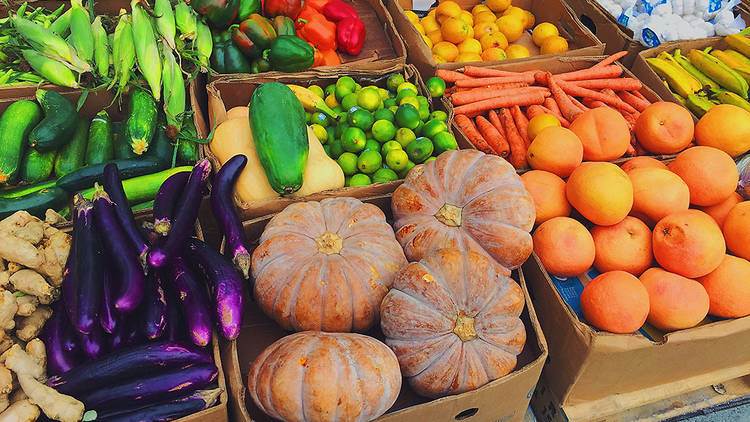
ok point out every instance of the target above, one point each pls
(381, 133)
(492, 30)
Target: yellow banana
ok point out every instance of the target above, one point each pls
(739, 42)
(736, 55)
(719, 72)
(310, 101)
(698, 104)
(692, 70)
(678, 79)
(726, 97)
(733, 64)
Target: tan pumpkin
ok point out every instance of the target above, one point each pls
(467, 200)
(316, 377)
(326, 265)
(453, 321)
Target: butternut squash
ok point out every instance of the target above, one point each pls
(239, 111)
(322, 172)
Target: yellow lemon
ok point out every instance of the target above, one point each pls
(470, 45)
(471, 32)
(433, 13)
(438, 59)
(479, 9)
(427, 41)
(515, 11)
(484, 17)
(494, 40)
(468, 57)
(467, 17)
(455, 30)
(411, 16)
(485, 28)
(446, 50)
(446, 10)
(517, 51)
(331, 101)
(539, 123)
(543, 31)
(530, 19)
(493, 54)
(430, 24)
(511, 27)
(554, 45)
(435, 36)
(498, 5)
(419, 27)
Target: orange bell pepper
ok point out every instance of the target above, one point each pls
(318, 58)
(330, 58)
(318, 31)
(317, 4)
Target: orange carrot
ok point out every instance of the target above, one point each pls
(483, 72)
(472, 134)
(498, 102)
(634, 101)
(450, 76)
(551, 104)
(578, 104)
(592, 103)
(522, 124)
(610, 100)
(535, 110)
(617, 84)
(630, 118)
(566, 107)
(495, 86)
(611, 59)
(471, 83)
(495, 120)
(496, 141)
(604, 72)
(461, 98)
(517, 146)
(641, 96)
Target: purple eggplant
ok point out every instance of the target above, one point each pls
(191, 293)
(59, 360)
(175, 329)
(127, 363)
(151, 388)
(184, 218)
(131, 278)
(166, 201)
(154, 307)
(107, 315)
(227, 286)
(165, 411)
(93, 344)
(222, 205)
(113, 187)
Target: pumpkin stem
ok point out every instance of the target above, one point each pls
(450, 215)
(329, 243)
(464, 327)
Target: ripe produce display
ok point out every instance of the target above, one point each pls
(492, 30)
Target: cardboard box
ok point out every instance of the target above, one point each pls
(581, 41)
(593, 374)
(505, 399)
(229, 92)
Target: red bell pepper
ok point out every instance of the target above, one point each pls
(330, 58)
(316, 4)
(318, 31)
(290, 8)
(350, 35)
(338, 10)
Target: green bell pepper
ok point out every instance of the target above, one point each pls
(283, 25)
(247, 8)
(259, 30)
(226, 56)
(220, 13)
(289, 53)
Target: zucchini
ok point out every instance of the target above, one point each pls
(85, 177)
(100, 146)
(277, 120)
(187, 152)
(142, 188)
(15, 124)
(59, 122)
(143, 206)
(120, 143)
(71, 157)
(35, 203)
(37, 166)
(141, 123)
(20, 191)
(161, 147)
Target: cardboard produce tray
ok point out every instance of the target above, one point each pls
(223, 94)
(505, 399)
(582, 42)
(594, 375)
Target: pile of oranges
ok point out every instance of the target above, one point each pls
(493, 30)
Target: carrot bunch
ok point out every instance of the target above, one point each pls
(493, 107)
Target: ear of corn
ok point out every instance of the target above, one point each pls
(165, 23)
(123, 52)
(81, 35)
(45, 41)
(101, 47)
(146, 49)
(50, 69)
(204, 44)
(186, 20)
(174, 92)
(61, 25)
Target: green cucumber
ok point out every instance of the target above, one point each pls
(277, 120)
(161, 147)
(100, 147)
(120, 142)
(142, 188)
(143, 206)
(59, 122)
(71, 157)
(187, 151)
(84, 177)
(35, 203)
(37, 166)
(15, 124)
(141, 123)
(20, 191)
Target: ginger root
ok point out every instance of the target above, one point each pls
(8, 309)
(6, 380)
(16, 221)
(30, 326)
(55, 405)
(32, 232)
(35, 348)
(4, 278)
(21, 411)
(13, 268)
(26, 305)
(20, 251)
(18, 361)
(31, 283)
(52, 217)
(18, 395)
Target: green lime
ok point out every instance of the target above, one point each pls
(410, 100)
(405, 93)
(424, 112)
(439, 115)
(388, 147)
(433, 127)
(393, 109)
(436, 86)
(344, 86)
(347, 180)
(353, 139)
(372, 145)
(396, 159)
(348, 163)
(341, 128)
(422, 100)
(317, 90)
(418, 129)
(369, 99)
(407, 116)
(320, 132)
(405, 171)
(361, 118)
(384, 114)
(369, 161)
(320, 119)
(429, 160)
(335, 148)
(384, 94)
(349, 102)
(420, 150)
(394, 80)
(404, 136)
(327, 149)
(390, 102)
(308, 116)
(360, 179)
(384, 176)
(357, 87)
(383, 130)
(330, 90)
(407, 85)
(444, 141)
(338, 109)
(330, 132)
